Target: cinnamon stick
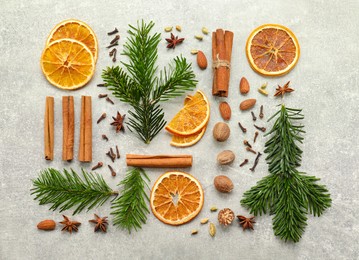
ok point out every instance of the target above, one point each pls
(49, 129)
(159, 161)
(222, 43)
(68, 126)
(85, 149)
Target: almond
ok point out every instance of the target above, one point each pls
(247, 104)
(244, 86)
(201, 60)
(47, 224)
(225, 110)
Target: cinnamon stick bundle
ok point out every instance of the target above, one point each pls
(68, 126)
(49, 129)
(159, 161)
(85, 149)
(222, 42)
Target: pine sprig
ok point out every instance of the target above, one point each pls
(67, 190)
(130, 209)
(287, 193)
(140, 87)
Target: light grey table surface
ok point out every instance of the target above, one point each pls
(326, 87)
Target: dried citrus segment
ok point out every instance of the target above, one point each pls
(176, 198)
(188, 140)
(192, 117)
(67, 64)
(77, 30)
(272, 50)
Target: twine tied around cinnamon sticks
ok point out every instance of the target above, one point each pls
(221, 63)
(222, 42)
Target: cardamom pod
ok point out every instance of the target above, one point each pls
(213, 209)
(204, 220)
(199, 37)
(194, 231)
(212, 229)
(194, 52)
(178, 28)
(168, 29)
(264, 85)
(204, 30)
(263, 91)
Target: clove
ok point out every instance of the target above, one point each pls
(255, 136)
(112, 52)
(109, 100)
(98, 165)
(247, 143)
(102, 117)
(117, 37)
(112, 45)
(105, 137)
(114, 55)
(113, 32)
(113, 173)
(244, 162)
(117, 152)
(110, 155)
(253, 116)
(263, 129)
(102, 85)
(261, 115)
(102, 95)
(255, 162)
(250, 150)
(242, 128)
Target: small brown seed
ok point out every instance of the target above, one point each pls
(221, 131)
(225, 157)
(223, 184)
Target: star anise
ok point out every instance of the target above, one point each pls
(101, 223)
(246, 223)
(118, 122)
(282, 90)
(69, 225)
(173, 41)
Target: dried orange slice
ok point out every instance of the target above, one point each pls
(77, 30)
(67, 64)
(272, 50)
(180, 186)
(187, 140)
(192, 117)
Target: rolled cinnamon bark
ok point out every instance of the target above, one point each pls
(49, 129)
(68, 123)
(85, 149)
(159, 161)
(222, 43)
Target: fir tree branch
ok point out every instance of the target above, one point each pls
(130, 209)
(140, 87)
(287, 193)
(67, 190)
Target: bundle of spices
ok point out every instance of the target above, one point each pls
(222, 42)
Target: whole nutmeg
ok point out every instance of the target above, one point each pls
(225, 216)
(221, 131)
(223, 184)
(225, 157)
(47, 224)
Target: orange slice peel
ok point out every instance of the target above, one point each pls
(180, 186)
(272, 50)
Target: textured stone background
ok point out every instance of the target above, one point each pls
(326, 84)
